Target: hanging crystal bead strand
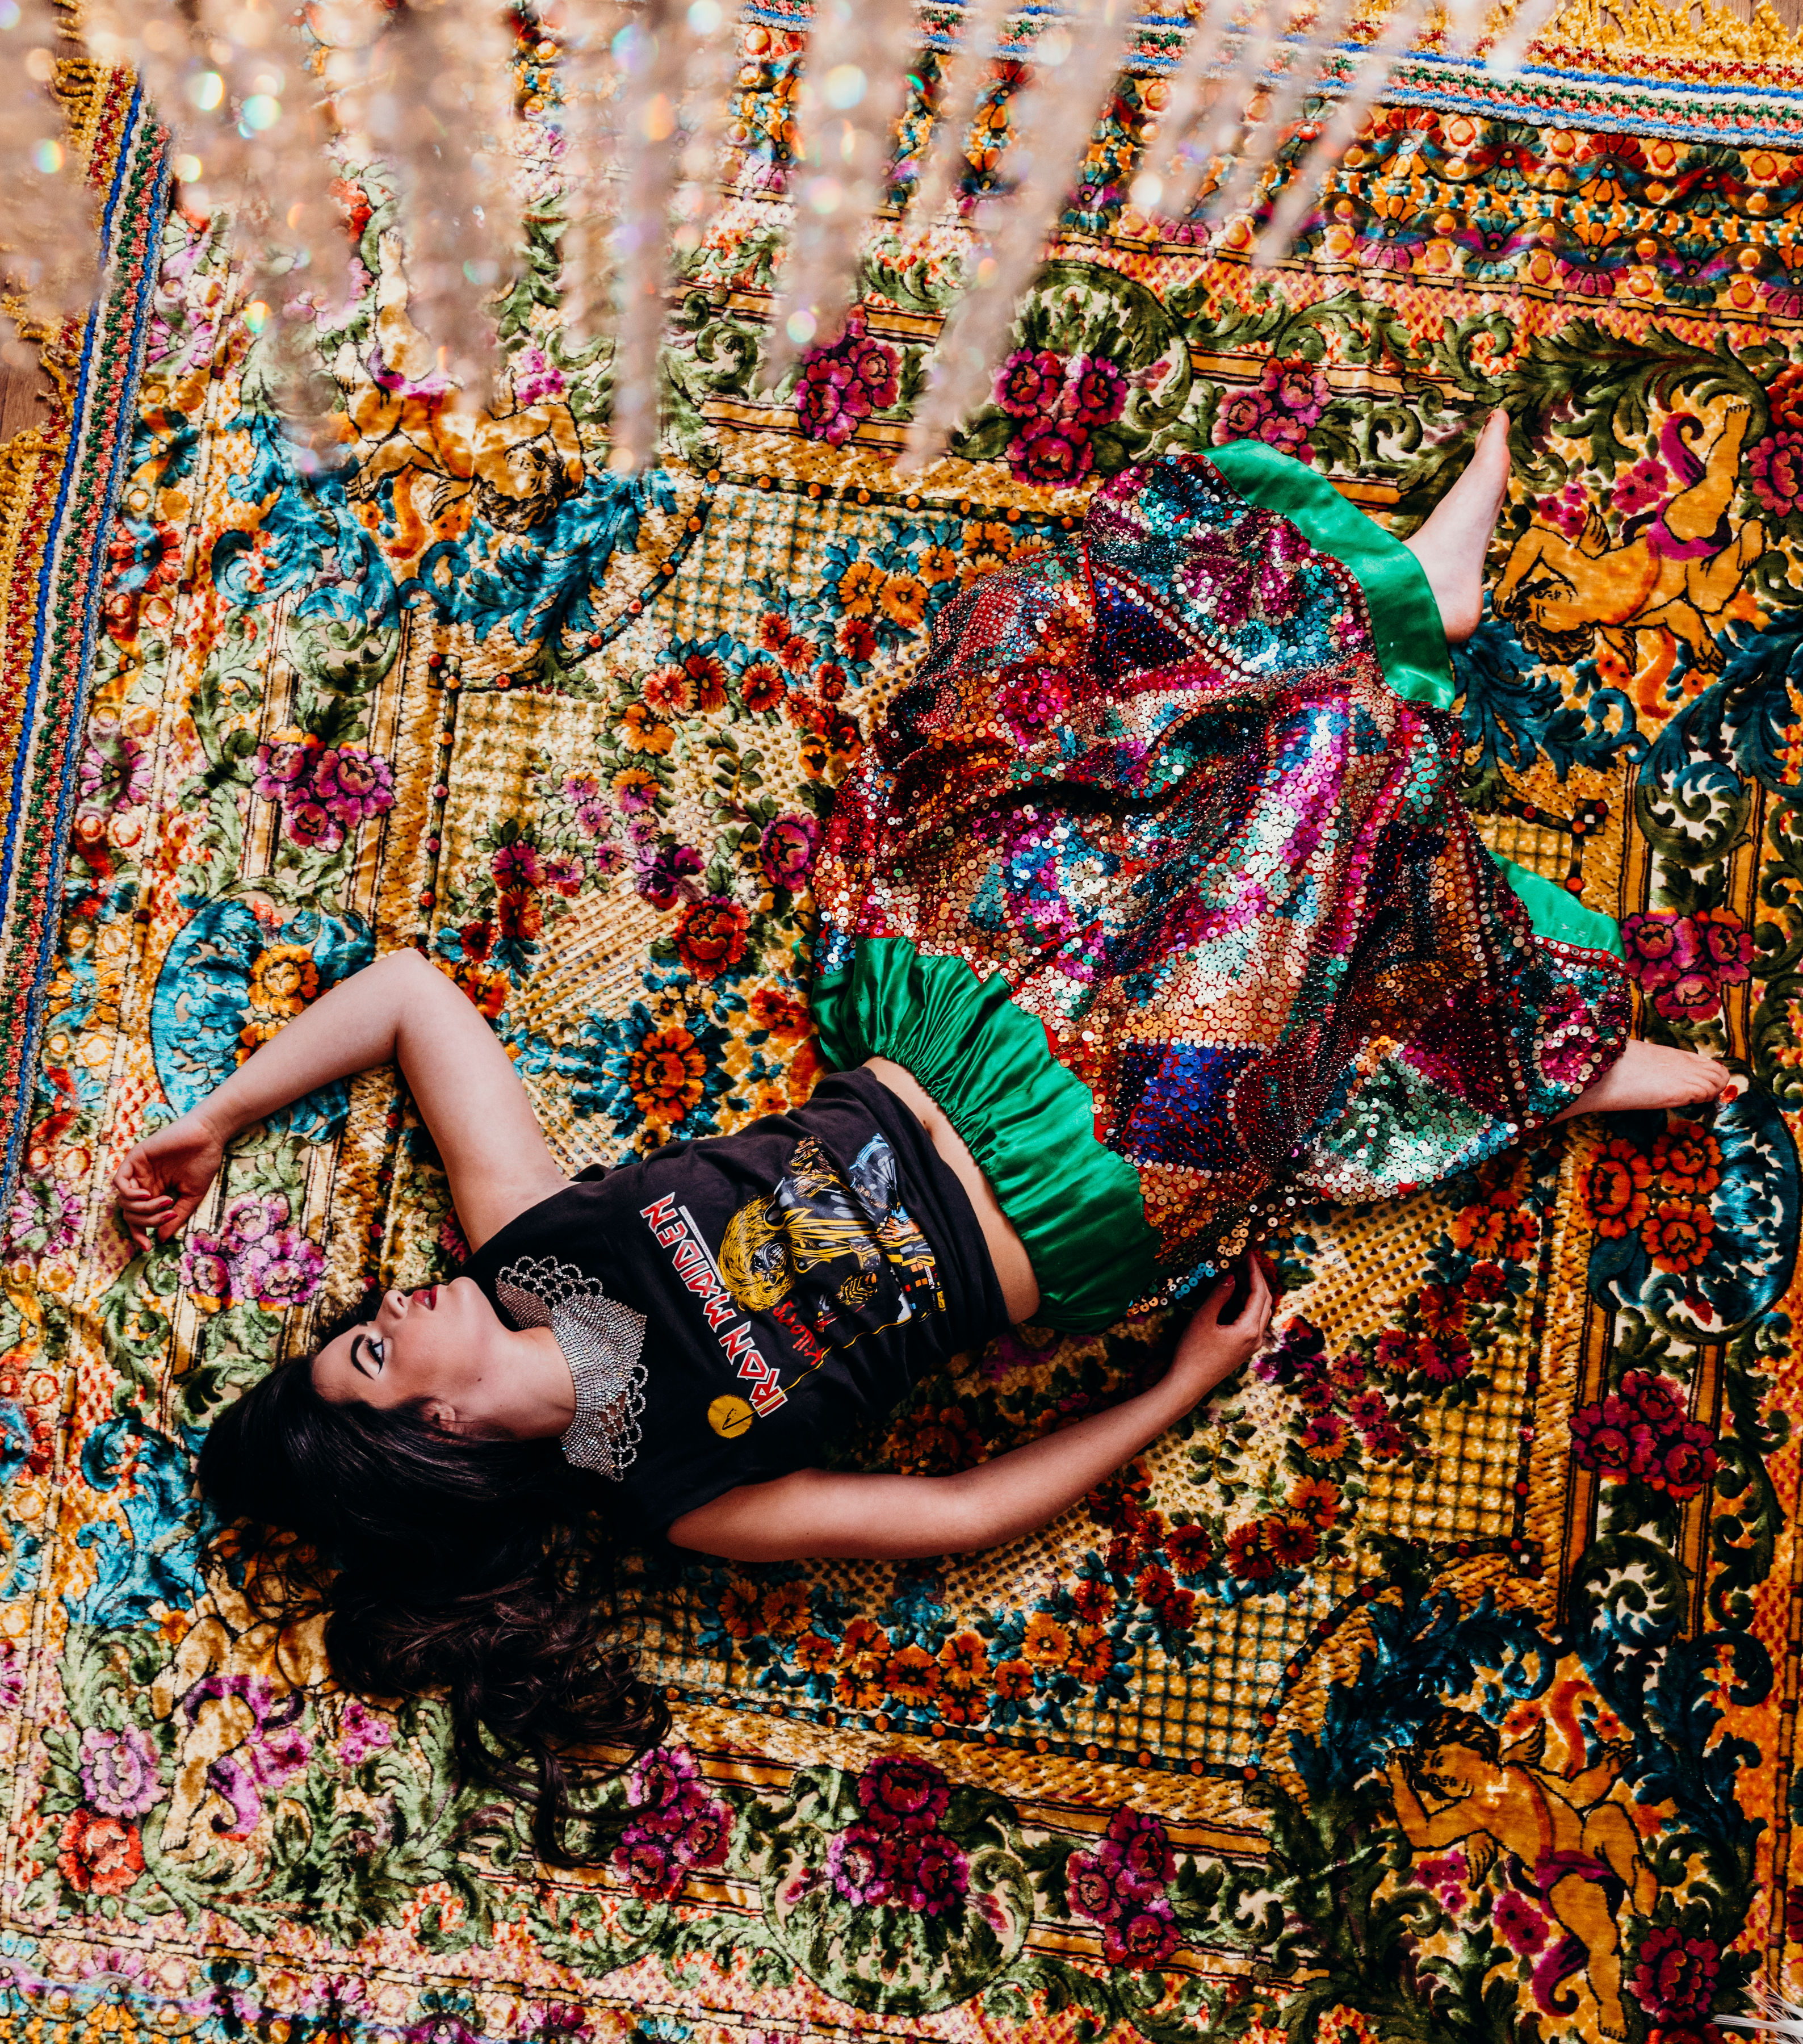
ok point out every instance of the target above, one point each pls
(1286, 99)
(1052, 123)
(1303, 190)
(854, 87)
(48, 242)
(962, 77)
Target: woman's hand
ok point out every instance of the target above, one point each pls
(1212, 1348)
(165, 1178)
(891, 1518)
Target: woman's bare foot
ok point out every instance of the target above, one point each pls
(1652, 1075)
(1451, 545)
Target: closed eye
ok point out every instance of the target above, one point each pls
(367, 1349)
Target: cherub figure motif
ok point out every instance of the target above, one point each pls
(1560, 1837)
(1675, 570)
(515, 466)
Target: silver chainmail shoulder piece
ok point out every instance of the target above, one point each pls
(601, 1340)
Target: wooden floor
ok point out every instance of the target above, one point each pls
(22, 391)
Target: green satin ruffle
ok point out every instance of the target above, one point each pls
(1029, 1123)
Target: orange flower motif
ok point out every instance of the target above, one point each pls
(938, 564)
(1498, 1231)
(859, 588)
(913, 1677)
(783, 1014)
(707, 676)
(1047, 1644)
(963, 1660)
(988, 536)
(864, 1647)
(641, 730)
(1092, 1653)
(1014, 1680)
(854, 1692)
(1315, 1501)
(283, 979)
(1615, 1189)
(1678, 1235)
(738, 1609)
(816, 1653)
(1292, 1541)
(762, 685)
(1688, 1160)
(785, 1610)
(1440, 1308)
(666, 1075)
(670, 691)
(904, 600)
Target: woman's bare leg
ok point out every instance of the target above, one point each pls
(1650, 1075)
(1452, 545)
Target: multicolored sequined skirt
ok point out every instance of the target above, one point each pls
(1157, 878)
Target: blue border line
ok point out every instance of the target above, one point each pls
(137, 114)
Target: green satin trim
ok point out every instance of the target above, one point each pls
(1406, 635)
(1029, 1123)
(1560, 916)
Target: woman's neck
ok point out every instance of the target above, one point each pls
(529, 1394)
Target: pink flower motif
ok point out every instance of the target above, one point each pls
(564, 874)
(663, 1778)
(1142, 1846)
(279, 1753)
(517, 865)
(42, 1221)
(873, 368)
(1242, 416)
(362, 1732)
(1030, 383)
(1051, 452)
(1145, 1938)
(827, 401)
(858, 1866)
(206, 1273)
(354, 783)
(1449, 1877)
(1567, 513)
(787, 851)
(1297, 390)
(310, 824)
(1644, 487)
(250, 1217)
(927, 1874)
(1095, 392)
(119, 1771)
(1675, 1976)
(1776, 464)
(903, 1795)
(282, 771)
(1517, 1923)
(535, 378)
(284, 1269)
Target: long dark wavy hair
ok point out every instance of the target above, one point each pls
(480, 1568)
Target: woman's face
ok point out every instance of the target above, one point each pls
(437, 1344)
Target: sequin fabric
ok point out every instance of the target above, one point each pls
(1156, 780)
(601, 1341)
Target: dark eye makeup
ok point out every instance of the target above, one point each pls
(369, 1345)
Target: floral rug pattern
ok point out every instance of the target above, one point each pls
(1432, 1682)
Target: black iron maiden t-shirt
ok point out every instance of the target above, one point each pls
(796, 1278)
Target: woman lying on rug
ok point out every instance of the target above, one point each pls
(1152, 910)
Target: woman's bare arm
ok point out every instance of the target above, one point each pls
(819, 1513)
(399, 1010)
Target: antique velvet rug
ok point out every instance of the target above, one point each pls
(1439, 1681)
